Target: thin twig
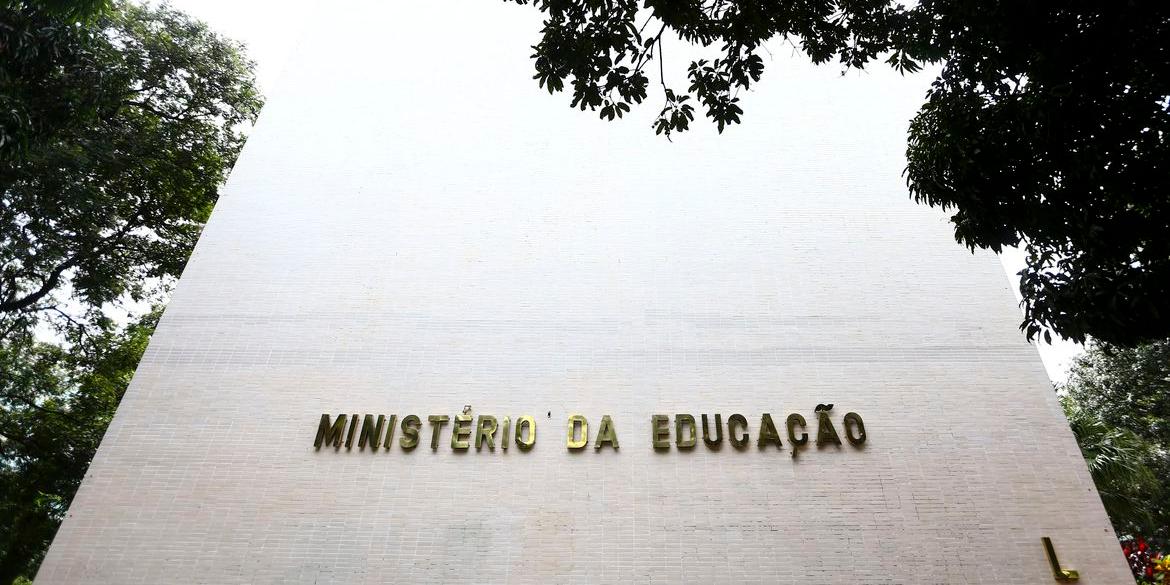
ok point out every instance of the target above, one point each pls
(661, 75)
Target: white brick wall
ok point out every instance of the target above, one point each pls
(414, 227)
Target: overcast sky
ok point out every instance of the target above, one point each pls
(272, 29)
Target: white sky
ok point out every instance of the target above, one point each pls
(272, 29)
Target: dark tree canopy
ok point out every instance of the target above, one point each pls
(117, 137)
(1046, 129)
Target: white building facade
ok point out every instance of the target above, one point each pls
(414, 229)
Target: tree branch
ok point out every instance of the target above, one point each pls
(11, 303)
(31, 403)
(54, 279)
(153, 110)
(661, 58)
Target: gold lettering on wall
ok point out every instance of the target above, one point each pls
(854, 429)
(390, 432)
(437, 421)
(795, 420)
(578, 432)
(371, 433)
(737, 420)
(768, 433)
(374, 430)
(826, 433)
(410, 426)
(684, 431)
(718, 440)
(607, 434)
(525, 432)
(660, 431)
(485, 432)
(461, 432)
(353, 425)
(330, 432)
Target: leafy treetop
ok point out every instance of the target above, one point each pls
(117, 137)
(1046, 129)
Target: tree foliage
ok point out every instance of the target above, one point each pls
(117, 137)
(1046, 129)
(1119, 463)
(57, 401)
(1121, 396)
(118, 124)
(1049, 127)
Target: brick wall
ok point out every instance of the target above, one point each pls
(415, 227)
